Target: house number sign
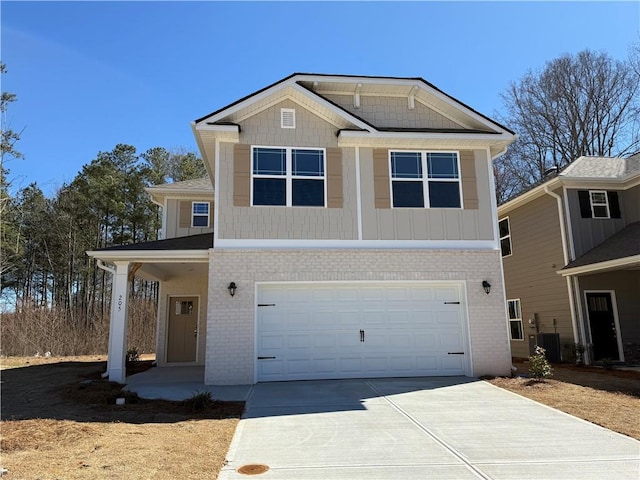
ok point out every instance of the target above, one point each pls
(120, 303)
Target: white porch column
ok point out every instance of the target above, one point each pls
(116, 367)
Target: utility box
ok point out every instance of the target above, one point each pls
(550, 342)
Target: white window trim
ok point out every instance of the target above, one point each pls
(194, 214)
(518, 319)
(506, 236)
(289, 177)
(605, 204)
(283, 114)
(425, 177)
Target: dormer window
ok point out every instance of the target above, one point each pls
(200, 214)
(287, 118)
(599, 204)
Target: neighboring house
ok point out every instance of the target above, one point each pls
(571, 257)
(354, 224)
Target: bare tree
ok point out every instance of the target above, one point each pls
(584, 104)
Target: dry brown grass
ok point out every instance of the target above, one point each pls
(56, 427)
(607, 398)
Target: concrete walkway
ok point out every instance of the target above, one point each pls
(419, 428)
(180, 383)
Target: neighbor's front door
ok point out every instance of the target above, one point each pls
(183, 329)
(604, 335)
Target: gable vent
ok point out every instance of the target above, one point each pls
(287, 118)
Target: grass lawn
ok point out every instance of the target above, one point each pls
(54, 426)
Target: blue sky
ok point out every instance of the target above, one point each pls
(91, 75)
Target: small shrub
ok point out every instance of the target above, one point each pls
(132, 355)
(199, 401)
(539, 367)
(607, 363)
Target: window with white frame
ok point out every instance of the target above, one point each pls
(200, 214)
(515, 319)
(505, 236)
(599, 203)
(425, 179)
(287, 176)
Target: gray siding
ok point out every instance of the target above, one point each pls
(530, 272)
(589, 232)
(630, 205)
(626, 285)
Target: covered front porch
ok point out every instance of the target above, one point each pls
(180, 265)
(606, 284)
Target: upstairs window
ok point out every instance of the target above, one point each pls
(505, 236)
(515, 319)
(292, 177)
(200, 214)
(599, 204)
(425, 179)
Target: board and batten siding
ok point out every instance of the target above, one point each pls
(178, 218)
(530, 272)
(590, 232)
(381, 222)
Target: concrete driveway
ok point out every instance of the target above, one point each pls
(419, 428)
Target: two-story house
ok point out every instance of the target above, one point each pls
(571, 256)
(354, 234)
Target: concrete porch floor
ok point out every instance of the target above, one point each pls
(180, 383)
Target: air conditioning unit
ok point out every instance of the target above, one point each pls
(550, 342)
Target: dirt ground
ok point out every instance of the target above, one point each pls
(610, 398)
(57, 423)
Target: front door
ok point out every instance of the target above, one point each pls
(183, 329)
(604, 335)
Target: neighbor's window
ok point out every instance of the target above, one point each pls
(515, 319)
(425, 179)
(599, 204)
(293, 177)
(200, 214)
(505, 236)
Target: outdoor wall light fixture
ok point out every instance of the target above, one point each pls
(487, 287)
(232, 288)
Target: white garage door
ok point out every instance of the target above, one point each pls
(356, 330)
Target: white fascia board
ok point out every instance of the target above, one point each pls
(360, 244)
(338, 111)
(592, 183)
(486, 138)
(528, 196)
(352, 80)
(618, 263)
(218, 128)
(202, 149)
(159, 256)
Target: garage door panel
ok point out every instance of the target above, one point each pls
(314, 331)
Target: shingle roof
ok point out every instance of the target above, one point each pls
(603, 167)
(625, 243)
(203, 241)
(203, 183)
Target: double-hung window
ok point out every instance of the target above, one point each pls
(599, 204)
(505, 236)
(200, 214)
(286, 176)
(425, 179)
(515, 319)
